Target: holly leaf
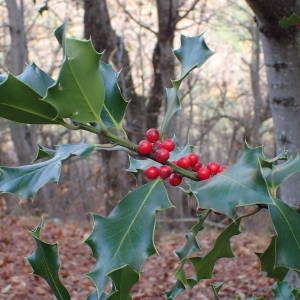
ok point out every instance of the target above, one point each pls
(173, 106)
(20, 103)
(177, 289)
(25, 181)
(45, 262)
(283, 171)
(282, 290)
(79, 92)
(204, 265)
(37, 79)
(286, 222)
(240, 185)
(292, 20)
(114, 104)
(123, 279)
(192, 54)
(216, 289)
(132, 222)
(268, 262)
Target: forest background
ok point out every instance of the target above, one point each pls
(225, 103)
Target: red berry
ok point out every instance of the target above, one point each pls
(175, 179)
(213, 167)
(157, 145)
(194, 158)
(152, 172)
(197, 166)
(297, 25)
(165, 171)
(168, 144)
(152, 135)
(144, 147)
(203, 173)
(161, 155)
(184, 162)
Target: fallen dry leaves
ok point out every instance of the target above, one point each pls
(242, 275)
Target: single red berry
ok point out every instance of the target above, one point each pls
(165, 171)
(197, 166)
(184, 162)
(203, 173)
(152, 135)
(213, 167)
(175, 179)
(297, 25)
(168, 144)
(161, 155)
(194, 158)
(144, 147)
(152, 172)
(157, 145)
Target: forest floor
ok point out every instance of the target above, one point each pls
(241, 275)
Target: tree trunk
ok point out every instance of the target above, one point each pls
(282, 60)
(23, 136)
(162, 58)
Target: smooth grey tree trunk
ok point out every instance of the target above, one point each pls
(23, 136)
(282, 59)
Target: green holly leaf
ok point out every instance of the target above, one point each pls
(37, 79)
(132, 223)
(123, 279)
(216, 289)
(283, 291)
(45, 262)
(25, 181)
(292, 20)
(79, 91)
(268, 262)
(114, 104)
(286, 222)
(241, 184)
(283, 171)
(204, 265)
(192, 54)
(20, 103)
(177, 289)
(173, 106)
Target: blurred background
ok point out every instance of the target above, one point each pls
(225, 102)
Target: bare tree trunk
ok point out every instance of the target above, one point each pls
(23, 136)
(282, 59)
(163, 58)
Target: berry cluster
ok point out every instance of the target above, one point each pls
(161, 153)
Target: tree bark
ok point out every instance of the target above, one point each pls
(163, 59)
(282, 60)
(23, 136)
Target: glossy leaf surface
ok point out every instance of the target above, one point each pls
(125, 237)
(45, 262)
(241, 184)
(114, 104)
(25, 181)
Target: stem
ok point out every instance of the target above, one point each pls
(133, 147)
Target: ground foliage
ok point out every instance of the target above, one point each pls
(242, 275)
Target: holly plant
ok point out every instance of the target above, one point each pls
(86, 97)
